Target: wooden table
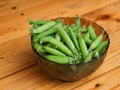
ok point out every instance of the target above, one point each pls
(18, 68)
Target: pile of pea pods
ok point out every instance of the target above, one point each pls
(66, 44)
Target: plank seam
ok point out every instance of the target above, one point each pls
(18, 71)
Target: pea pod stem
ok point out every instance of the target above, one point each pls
(89, 57)
(58, 44)
(83, 29)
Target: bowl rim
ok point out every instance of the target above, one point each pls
(95, 59)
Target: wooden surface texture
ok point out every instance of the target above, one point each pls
(18, 68)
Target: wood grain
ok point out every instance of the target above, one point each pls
(18, 67)
(14, 29)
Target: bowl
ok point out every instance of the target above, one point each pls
(69, 72)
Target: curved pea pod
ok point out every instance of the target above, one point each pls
(87, 40)
(89, 57)
(74, 39)
(101, 48)
(46, 32)
(58, 44)
(57, 37)
(96, 42)
(91, 32)
(67, 39)
(44, 27)
(59, 59)
(53, 51)
(83, 47)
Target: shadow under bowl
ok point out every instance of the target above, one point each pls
(69, 72)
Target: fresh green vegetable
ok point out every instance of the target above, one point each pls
(53, 51)
(57, 36)
(60, 59)
(66, 44)
(39, 22)
(87, 40)
(78, 24)
(100, 49)
(58, 44)
(44, 27)
(52, 30)
(83, 47)
(91, 32)
(89, 57)
(74, 39)
(67, 39)
(96, 42)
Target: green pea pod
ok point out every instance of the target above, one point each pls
(67, 39)
(39, 22)
(53, 51)
(74, 39)
(78, 23)
(60, 59)
(83, 47)
(57, 37)
(87, 40)
(50, 31)
(100, 49)
(58, 44)
(102, 45)
(91, 32)
(44, 27)
(89, 57)
(96, 42)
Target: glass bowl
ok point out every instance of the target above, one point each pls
(68, 72)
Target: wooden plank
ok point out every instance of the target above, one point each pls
(8, 7)
(117, 87)
(20, 56)
(34, 78)
(59, 9)
(15, 55)
(26, 79)
(106, 81)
